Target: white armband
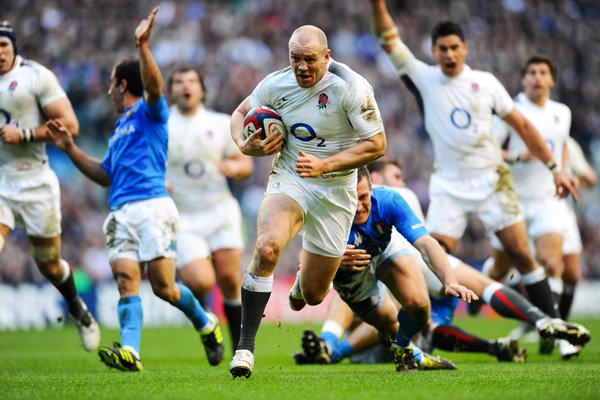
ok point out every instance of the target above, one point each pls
(396, 50)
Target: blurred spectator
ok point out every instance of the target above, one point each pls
(237, 42)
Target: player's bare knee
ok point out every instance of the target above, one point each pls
(552, 265)
(313, 298)
(267, 254)
(571, 277)
(47, 259)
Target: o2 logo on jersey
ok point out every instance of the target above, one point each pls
(194, 169)
(460, 118)
(550, 144)
(306, 133)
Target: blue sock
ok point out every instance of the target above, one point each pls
(418, 353)
(131, 317)
(191, 307)
(408, 328)
(340, 349)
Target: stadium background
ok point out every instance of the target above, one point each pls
(236, 43)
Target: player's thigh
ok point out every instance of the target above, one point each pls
(360, 290)
(340, 312)
(329, 219)
(572, 237)
(384, 317)
(405, 280)
(447, 220)
(514, 238)
(571, 272)
(279, 219)
(471, 278)
(35, 204)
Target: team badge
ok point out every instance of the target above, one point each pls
(12, 86)
(475, 87)
(210, 133)
(323, 101)
(556, 118)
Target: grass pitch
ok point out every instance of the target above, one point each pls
(51, 365)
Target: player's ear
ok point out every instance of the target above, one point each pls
(123, 86)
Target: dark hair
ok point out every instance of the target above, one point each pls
(129, 70)
(363, 172)
(446, 28)
(539, 59)
(181, 69)
(379, 165)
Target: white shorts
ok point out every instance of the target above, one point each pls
(434, 286)
(203, 232)
(541, 217)
(142, 230)
(362, 291)
(329, 209)
(32, 201)
(572, 236)
(491, 197)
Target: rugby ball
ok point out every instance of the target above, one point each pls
(263, 117)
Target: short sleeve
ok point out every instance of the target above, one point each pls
(157, 112)
(363, 111)
(48, 87)
(503, 104)
(399, 214)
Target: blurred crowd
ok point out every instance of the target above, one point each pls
(236, 43)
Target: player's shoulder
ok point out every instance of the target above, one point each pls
(481, 75)
(214, 115)
(558, 106)
(276, 76)
(32, 66)
(345, 75)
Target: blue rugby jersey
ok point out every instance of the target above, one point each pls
(388, 210)
(136, 158)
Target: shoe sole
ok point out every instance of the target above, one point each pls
(238, 372)
(567, 357)
(311, 345)
(575, 336)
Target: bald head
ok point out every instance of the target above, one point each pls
(309, 34)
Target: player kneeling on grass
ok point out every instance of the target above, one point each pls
(142, 224)
(378, 212)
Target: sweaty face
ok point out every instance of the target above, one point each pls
(450, 53)
(537, 81)
(114, 91)
(308, 61)
(363, 208)
(186, 91)
(7, 55)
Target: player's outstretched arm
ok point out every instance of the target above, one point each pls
(437, 261)
(151, 77)
(387, 33)
(382, 20)
(537, 146)
(89, 166)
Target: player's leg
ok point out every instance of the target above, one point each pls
(125, 355)
(405, 281)
(549, 254)
(4, 232)
(339, 319)
(199, 276)
(515, 242)
(571, 276)
(228, 263)
(279, 219)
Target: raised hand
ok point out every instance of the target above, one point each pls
(144, 29)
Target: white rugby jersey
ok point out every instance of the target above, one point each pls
(577, 160)
(533, 179)
(457, 112)
(24, 91)
(333, 115)
(197, 146)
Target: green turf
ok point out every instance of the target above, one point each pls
(50, 365)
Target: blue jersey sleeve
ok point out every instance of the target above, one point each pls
(157, 112)
(398, 213)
